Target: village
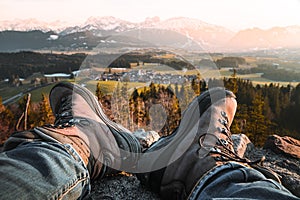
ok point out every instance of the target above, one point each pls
(145, 76)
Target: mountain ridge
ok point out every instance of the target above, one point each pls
(211, 37)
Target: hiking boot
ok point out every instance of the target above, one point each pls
(197, 147)
(211, 147)
(104, 146)
(162, 152)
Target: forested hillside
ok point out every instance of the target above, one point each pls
(262, 110)
(24, 64)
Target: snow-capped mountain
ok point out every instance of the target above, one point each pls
(108, 23)
(102, 26)
(32, 24)
(210, 37)
(206, 34)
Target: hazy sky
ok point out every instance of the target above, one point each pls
(234, 14)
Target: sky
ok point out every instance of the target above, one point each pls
(233, 14)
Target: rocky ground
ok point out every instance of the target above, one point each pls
(125, 186)
(121, 187)
(286, 167)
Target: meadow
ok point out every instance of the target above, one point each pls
(108, 87)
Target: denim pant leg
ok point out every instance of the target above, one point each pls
(42, 170)
(235, 181)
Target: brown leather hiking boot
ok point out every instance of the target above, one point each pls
(196, 148)
(211, 147)
(80, 121)
(183, 137)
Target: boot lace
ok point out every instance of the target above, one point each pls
(64, 116)
(222, 148)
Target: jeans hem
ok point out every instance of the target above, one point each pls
(201, 183)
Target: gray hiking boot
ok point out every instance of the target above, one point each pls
(104, 146)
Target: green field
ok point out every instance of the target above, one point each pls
(108, 87)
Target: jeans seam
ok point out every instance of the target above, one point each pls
(244, 173)
(83, 177)
(72, 186)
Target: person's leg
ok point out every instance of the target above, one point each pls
(42, 170)
(235, 181)
(56, 160)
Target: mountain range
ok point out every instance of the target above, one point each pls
(110, 31)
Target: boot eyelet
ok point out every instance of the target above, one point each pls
(223, 113)
(218, 158)
(223, 122)
(64, 114)
(222, 130)
(215, 150)
(224, 142)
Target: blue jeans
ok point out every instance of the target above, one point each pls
(235, 181)
(32, 168)
(42, 170)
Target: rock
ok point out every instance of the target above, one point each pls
(241, 144)
(287, 169)
(121, 186)
(146, 138)
(285, 145)
(286, 166)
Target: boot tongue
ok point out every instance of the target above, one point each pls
(81, 108)
(228, 109)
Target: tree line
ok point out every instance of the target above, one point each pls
(265, 110)
(262, 109)
(272, 72)
(23, 64)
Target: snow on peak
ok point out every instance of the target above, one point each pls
(107, 23)
(32, 24)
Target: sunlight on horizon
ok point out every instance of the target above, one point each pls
(232, 14)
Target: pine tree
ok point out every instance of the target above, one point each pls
(195, 86)
(6, 122)
(239, 124)
(231, 83)
(186, 96)
(258, 125)
(116, 103)
(141, 111)
(124, 110)
(134, 109)
(45, 113)
(99, 93)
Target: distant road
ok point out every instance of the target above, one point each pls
(12, 99)
(18, 96)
